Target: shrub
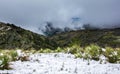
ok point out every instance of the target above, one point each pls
(78, 55)
(47, 51)
(74, 49)
(14, 55)
(30, 51)
(92, 52)
(40, 51)
(111, 55)
(4, 62)
(118, 54)
(58, 49)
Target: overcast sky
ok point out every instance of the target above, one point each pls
(31, 14)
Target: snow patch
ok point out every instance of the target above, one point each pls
(60, 63)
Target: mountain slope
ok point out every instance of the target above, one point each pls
(102, 37)
(12, 36)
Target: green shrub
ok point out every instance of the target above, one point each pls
(92, 52)
(111, 55)
(40, 51)
(59, 49)
(78, 55)
(4, 62)
(47, 51)
(118, 54)
(74, 49)
(14, 55)
(31, 51)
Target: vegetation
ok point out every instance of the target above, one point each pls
(88, 44)
(14, 55)
(91, 52)
(4, 62)
(112, 55)
(12, 37)
(103, 38)
(7, 56)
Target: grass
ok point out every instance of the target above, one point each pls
(4, 62)
(14, 55)
(112, 55)
(91, 52)
(7, 56)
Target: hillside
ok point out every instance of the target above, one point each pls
(12, 37)
(101, 37)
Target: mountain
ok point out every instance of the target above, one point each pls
(12, 37)
(101, 37)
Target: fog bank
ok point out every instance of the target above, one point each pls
(32, 14)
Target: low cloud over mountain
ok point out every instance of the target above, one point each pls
(31, 14)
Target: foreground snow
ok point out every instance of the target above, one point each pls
(60, 63)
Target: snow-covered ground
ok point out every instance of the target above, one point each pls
(60, 63)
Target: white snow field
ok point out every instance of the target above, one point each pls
(60, 63)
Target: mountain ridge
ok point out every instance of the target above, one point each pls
(101, 37)
(12, 37)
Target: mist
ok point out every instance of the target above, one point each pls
(33, 14)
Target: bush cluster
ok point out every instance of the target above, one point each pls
(91, 52)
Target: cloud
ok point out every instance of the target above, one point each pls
(31, 14)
